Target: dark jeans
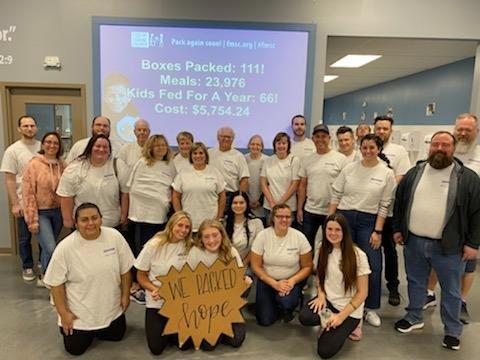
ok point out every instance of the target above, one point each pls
(267, 302)
(311, 223)
(329, 342)
(24, 244)
(80, 340)
(390, 254)
(362, 225)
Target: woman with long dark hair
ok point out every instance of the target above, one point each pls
(342, 287)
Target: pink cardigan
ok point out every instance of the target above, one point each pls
(39, 185)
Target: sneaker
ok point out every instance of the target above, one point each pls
(405, 326)
(464, 316)
(28, 275)
(356, 334)
(451, 342)
(394, 298)
(138, 296)
(372, 318)
(40, 283)
(430, 301)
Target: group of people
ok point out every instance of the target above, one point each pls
(203, 204)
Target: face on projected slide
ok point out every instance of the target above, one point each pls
(225, 138)
(117, 97)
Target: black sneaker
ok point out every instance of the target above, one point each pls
(405, 327)
(464, 316)
(394, 298)
(430, 301)
(451, 342)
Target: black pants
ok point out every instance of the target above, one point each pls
(80, 340)
(235, 341)
(329, 342)
(154, 326)
(391, 257)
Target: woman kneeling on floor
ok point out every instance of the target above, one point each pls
(89, 274)
(342, 287)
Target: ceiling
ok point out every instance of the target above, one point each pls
(400, 57)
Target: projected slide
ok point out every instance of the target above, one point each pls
(200, 79)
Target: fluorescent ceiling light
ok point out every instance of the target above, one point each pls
(354, 61)
(327, 78)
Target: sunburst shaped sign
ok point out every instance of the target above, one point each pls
(203, 303)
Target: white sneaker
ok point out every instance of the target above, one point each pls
(372, 318)
(40, 283)
(28, 275)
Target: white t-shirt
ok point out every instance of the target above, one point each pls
(158, 260)
(98, 185)
(232, 166)
(398, 156)
(321, 170)
(199, 189)
(239, 237)
(150, 191)
(279, 175)
(302, 148)
(367, 189)
(130, 153)
(15, 160)
(471, 159)
(91, 270)
(354, 156)
(79, 147)
(334, 285)
(281, 255)
(197, 255)
(429, 205)
(254, 187)
(181, 163)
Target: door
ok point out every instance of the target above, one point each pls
(56, 107)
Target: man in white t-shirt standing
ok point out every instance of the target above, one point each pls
(437, 217)
(15, 159)
(467, 151)
(301, 145)
(400, 163)
(100, 125)
(230, 162)
(346, 143)
(131, 152)
(317, 174)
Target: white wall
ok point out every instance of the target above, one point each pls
(63, 28)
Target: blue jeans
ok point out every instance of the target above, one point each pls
(24, 244)
(267, 302)
(50, 225)
(311, 223)
(362, 225)
(421, 255)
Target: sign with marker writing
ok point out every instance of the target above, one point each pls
(204, 302)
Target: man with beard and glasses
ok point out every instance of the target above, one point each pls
(437, 218)
(467, 151)
(301, 145)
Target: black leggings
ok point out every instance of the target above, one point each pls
(80, 340)
(329, 342)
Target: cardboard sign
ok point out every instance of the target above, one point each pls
(203, 303)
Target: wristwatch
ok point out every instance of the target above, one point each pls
(378, 232)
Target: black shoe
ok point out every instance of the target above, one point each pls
(451, 342)
(288, 316)
(405, 327)
(464, 316)
(430, 301)
(394, 298)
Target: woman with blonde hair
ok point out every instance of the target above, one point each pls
(212, 243)
(166, 249)
(149, 191)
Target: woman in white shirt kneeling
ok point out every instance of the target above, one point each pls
(90, 278)
(342, 287)
(281, 257)
(166, 249)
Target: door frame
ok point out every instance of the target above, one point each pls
(10, 128)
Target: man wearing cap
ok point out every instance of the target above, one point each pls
(301, 145)
(317, 173)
